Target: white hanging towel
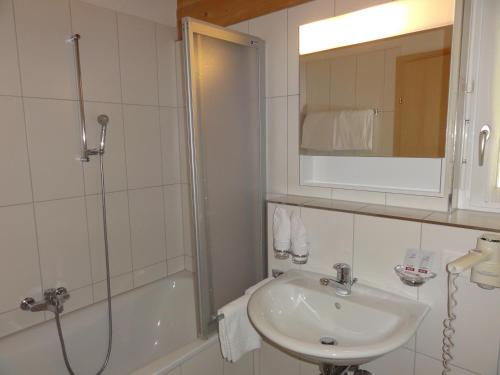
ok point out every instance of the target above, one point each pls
(236, 334)
(317, 132)
(353, 130)
(253, 288)
(281, 229)
(300, 243)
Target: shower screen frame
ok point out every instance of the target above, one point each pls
(206, 312)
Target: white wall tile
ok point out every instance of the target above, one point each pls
(54, 149)
(79, 298)
(179, 67)
(175, 371)
(149, 274)
(143, 146)
(307, 368)
(9, 65)
(293, 164)
(208, 362)
(299, 15)
(189, 263)
(138, 60)
(19, 256)
(119, 284)
(172, 195)
(244, 366)
(16, 184)
(187, 220)
(398, 362)
(379, 245)
(273, 29)
(114, 156)
(277, 145)
(429, 366)
(16, 320)
(330, 234)
(98, 51)
(274, 361)
(163, 11)
(476, 311)
(147, 227)
(46, 59)
(175, 265)
(169, 128)
(167, 80)
(63, 243)
(242, 27)
(347, 6)
(118, 234)
(183, 145)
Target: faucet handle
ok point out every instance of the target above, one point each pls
(343, 272)
(27, 303)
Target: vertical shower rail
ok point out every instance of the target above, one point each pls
(84, 151)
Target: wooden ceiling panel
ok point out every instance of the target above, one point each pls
(228, 12)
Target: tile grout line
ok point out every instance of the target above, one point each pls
(35, 225)
(122, 109)
(162, 153)
(82, 168)
(182, 159)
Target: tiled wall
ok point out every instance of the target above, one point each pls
(50, 222)
(373, 246)
(280, 31)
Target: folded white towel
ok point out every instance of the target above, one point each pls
(281, 229)
(317, 132)
(253, 288)
(353, 129)
(300, 243)
(236, 334)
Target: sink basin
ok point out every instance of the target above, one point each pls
(309, 320)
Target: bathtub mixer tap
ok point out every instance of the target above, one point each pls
(53, 300)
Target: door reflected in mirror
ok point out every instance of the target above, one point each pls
(383, 98)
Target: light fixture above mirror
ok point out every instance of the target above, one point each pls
(374, 23)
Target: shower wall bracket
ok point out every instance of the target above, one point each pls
(85, 152)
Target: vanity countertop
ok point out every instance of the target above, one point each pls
(459, 218)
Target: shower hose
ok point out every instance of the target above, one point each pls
(449, 329)
(108, 284)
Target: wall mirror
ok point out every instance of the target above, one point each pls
(383, 98)
(377, 83)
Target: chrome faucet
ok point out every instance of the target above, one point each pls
(53, 299)
(344, 279)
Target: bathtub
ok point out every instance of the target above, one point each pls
(154, 332)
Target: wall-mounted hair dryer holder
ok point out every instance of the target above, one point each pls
(484, 262)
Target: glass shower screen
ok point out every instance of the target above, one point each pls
(226, 137)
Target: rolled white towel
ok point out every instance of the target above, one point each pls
(300, 243)
(281, 229)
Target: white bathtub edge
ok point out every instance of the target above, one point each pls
(174, 359)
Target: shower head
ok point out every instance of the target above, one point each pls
(103, 121)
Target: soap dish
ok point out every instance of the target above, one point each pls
(412, 279)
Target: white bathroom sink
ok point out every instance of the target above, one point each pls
(295, 312)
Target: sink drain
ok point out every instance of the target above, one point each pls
(328, 340)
